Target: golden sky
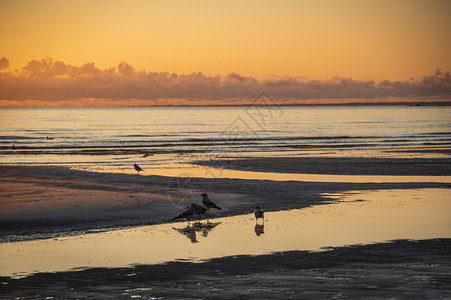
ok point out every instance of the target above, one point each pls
(394, 40)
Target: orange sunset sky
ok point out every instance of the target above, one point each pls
(115, 52)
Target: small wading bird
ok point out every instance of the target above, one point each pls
(208, 203)
(137, 168)
(258, 213)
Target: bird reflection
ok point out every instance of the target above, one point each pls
(207, 227)
(190, 231)
(259, 229)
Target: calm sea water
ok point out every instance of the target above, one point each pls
(102, 138)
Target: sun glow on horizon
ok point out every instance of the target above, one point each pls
(298, 40)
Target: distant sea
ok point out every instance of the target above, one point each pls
(104, 138)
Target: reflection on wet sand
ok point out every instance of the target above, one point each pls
(352, 218)
(259, 229)
(190, 231)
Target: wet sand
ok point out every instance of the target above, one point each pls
(398, 270)
(44, 202)
(352, 218)
(338, 165)
(48, 201)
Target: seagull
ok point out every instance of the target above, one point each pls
(258, 213)
(208, 203)
(138, 168)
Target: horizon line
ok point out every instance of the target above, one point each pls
(410, 103)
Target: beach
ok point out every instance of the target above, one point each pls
(400, 270)
(61, 203)
(58, 200)
(354, 207)
(225, 150)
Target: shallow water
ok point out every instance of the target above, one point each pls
(193, 171)
(351, 218)
(115, 137)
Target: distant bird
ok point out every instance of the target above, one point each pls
(208, 203)
(137, 168)
(258, 213)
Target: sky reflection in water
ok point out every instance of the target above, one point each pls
(353, 218)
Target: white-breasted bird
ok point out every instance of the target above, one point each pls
(258, 213)
(138, 168)
(208, 203)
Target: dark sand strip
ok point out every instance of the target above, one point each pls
(338, 165)
(402, 270)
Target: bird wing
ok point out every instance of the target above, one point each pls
(210, 203)
(201, 210)
(185, 214)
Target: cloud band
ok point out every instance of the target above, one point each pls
(48, 80)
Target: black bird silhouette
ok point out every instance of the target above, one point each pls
(258, 213)
(194, 211)
(137, 168)
(208, 203)
(187, 214)
(199, 210)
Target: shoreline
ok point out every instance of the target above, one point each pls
(48, 202)
(44, 202)
(252, 103)
(401, 269)
(348, 219)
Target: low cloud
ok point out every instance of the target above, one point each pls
(49, 80)
(4, 63)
